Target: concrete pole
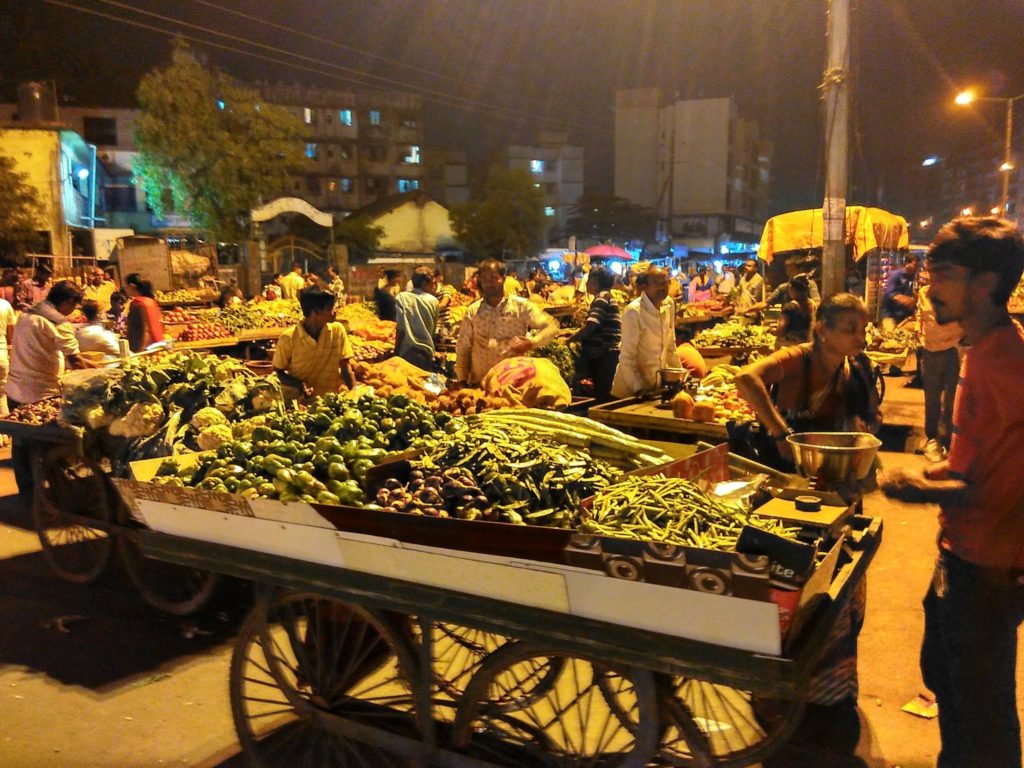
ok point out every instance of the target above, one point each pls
(836, 88)
(1007, 158)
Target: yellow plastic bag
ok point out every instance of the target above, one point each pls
(532, 381)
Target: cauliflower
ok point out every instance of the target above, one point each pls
(211, 438)
(96, 418)
(142, 420)
(207, 417)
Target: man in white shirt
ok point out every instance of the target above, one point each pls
(648, 336)
(496, 326)
(44, 341)
(94, 338)
(6, 334)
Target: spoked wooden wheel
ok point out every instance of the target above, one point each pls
(318, 683)
(567, 722)
(168, 587)
(715, 725)
(458, 653)
(71, 511)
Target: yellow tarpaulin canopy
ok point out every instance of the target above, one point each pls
(866, 229)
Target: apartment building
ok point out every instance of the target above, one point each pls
(701, 166)
(557, 168)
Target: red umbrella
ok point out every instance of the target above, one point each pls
(608, 252)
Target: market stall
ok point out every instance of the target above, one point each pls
(397, 636)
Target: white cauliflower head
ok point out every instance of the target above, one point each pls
(142, 420)
(207, 417)
(213, 436)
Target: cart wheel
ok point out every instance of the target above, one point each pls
(509, 717)
(459, 651)
(715, 725)
(168, 587)
(70, 491)
(317, 682)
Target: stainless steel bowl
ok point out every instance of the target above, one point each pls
(834, 457)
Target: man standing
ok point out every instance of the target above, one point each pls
(496, 326)
(648, 336)
(599, 337)
(33, 290)
(293, 282)
(940, 372)
(316, 352)
(751, 286)
(899, 299)
(44, 341)
(99, 290)
(416, 315)
(976, 600)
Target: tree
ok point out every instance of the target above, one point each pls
(209, 146)
(509, 218)
(607, 217)
(20, 211)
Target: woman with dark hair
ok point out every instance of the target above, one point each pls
(797, 314)
(825, 385)
(144, 324)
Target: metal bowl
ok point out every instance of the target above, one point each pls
(834, 457)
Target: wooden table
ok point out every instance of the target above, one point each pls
(645, 418)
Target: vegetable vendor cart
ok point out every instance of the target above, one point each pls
(381, 639)
(80, 520)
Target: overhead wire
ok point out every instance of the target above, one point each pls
(353, 75)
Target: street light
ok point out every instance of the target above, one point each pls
(966, 97)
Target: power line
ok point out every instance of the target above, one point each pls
(354, 75)
(326, 41)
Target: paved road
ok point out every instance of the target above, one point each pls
(126, 687)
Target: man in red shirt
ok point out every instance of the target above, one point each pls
(976, 600)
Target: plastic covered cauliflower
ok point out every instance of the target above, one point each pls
(141, 420)
(207, 417)
(213, 436)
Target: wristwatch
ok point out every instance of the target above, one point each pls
(783, 434)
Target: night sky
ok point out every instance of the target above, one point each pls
(497, 71)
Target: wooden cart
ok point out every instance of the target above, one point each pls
(338, 667)
(80, 520)
(647, 418)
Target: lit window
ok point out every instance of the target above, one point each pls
(536, 185)
(374, 117)
(549, 211)
(413, 158)
(536, 166)
(408, 185)
(331, 186)
(345, 116)
(311, 151)
(307, 115)
(221, 104)
(346, 184)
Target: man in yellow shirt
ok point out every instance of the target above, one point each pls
(315, 353)
(293, 282)
(99, 289)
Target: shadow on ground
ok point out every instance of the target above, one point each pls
(94, 635)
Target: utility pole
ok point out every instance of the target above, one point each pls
(836, 88)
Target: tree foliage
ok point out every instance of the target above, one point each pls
(20, 211)
(209, 146)
(509, 219)
(607, 217)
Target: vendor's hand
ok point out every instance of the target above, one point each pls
(520, 345)
(902, 484)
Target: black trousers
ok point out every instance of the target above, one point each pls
(21, 461)
(968, 659)
(600, 370)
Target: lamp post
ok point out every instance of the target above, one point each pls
(966, 97)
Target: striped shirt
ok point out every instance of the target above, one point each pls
(604, 313)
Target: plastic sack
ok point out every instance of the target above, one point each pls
(531, 381)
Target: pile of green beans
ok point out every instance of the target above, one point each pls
(672, 511)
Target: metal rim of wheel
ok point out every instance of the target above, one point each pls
(69, 487)
(457, 653)
(570, 724)
(708, 724)
(304, 663)
(170, 588)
